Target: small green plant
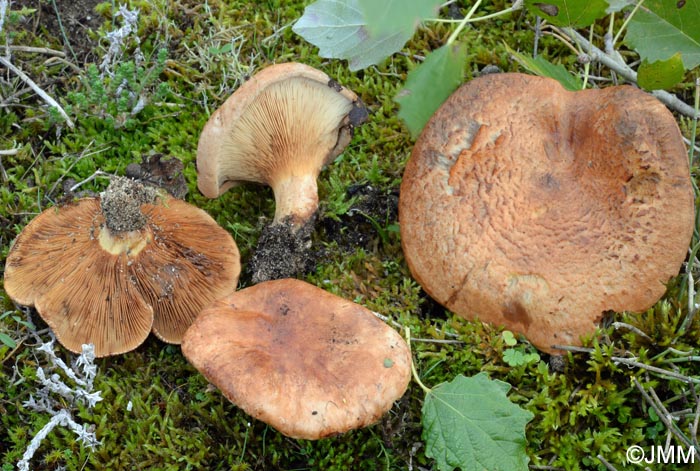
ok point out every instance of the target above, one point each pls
(117, 99)
(336, 203)
(517, 356)
(120, 87)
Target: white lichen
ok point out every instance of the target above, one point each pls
(119, 40)
(72, 383)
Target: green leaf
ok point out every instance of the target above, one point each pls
(338, 28)
(7, 340)
(508, 338)
(576, 13)
(517, 358)
(660, 75)
(513, 357)
(213, 50)
(542, 67)
(428, 85)
(662, 28)
(388, 16)
(470, 423)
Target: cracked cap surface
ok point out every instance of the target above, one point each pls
(539, 209)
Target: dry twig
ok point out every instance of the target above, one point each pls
(45, 96)
(622, 69)
(666, 418)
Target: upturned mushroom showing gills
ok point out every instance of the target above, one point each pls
(279, 128)
(109, 270)
(303, 360)
(539, 209)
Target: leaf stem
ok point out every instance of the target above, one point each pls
(426, 389)
(627, 20)
(587, 66)
(463, 23)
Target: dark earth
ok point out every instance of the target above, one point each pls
(283, 252)
(77, 18)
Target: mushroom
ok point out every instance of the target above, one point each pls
(303, 360)
(279, 128)
(540, 209)
(109, 270)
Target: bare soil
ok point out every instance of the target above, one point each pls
(75, 18)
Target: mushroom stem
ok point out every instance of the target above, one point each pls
(296, 199)
(131, 242)
(121, 204)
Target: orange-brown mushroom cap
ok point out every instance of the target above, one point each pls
(303, 360)
(91, 285)
(279, 128)
(540, 209)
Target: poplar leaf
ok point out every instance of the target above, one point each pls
(397, 15)
(662, 28)
(338, 28)
(575, 13)
(428, 85)
(660, 75)
(469, 423)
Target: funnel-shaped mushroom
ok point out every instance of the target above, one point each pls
(303, 360)
(109, 270)
(279, 128)
(540, 209)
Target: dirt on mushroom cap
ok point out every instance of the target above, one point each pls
(546, 207)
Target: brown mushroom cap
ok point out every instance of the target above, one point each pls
(540, 209)
(305, 361)
(279, 128)
(92, 285)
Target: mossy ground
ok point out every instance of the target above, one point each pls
(158, 412)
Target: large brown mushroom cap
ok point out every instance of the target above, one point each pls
(279, 128)
(92, 285)
(540, 209)
(303, 360)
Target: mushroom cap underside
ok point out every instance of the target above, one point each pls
(305, 361)
(540, 209)
(111, 290)
(288, 120)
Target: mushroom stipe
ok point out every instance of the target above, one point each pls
(536, 208)
(279, 128)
